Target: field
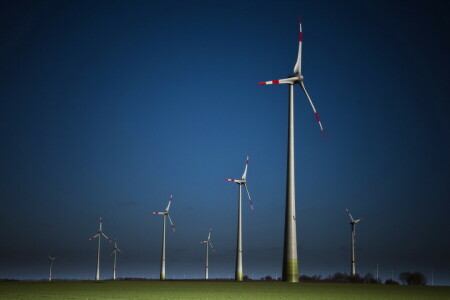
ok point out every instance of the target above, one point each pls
(213, 290)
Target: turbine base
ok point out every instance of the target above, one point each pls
(290, 270)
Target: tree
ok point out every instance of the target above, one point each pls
(413, 278)
(340, 277)
(403, 276)
(369, 278)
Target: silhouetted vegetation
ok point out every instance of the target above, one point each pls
(340, 277)
(391, 281)
(8, 280)
(413, 278)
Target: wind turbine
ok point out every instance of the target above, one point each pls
(99, 235)
(208, 244)
(353, 223)
(163, 256)
(51, 258)
(115, 258)
(240, 182)
(290, 263)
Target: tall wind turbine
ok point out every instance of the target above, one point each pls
(115, 258)
(208, 244)
(163, 255)
(99, 235)
(241, 182)
(353, 223)
(51, 259)
(290, 263)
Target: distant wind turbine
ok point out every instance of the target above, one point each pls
(208, 244)
(99, 235)
(243, 181)
(51, 259)
(115, 258)
(353, 223)
(163, 255)
(290, 263)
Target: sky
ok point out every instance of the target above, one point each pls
(108, 107)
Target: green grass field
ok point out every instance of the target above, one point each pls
(213, 290)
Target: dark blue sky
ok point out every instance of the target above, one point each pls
(107, 107)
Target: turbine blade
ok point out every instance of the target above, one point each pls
(314, 109)
(209, 234)
(230, 180)
(279, 81)
(158, 213)
(249, 199)
(107, 238)
(351, 218)
(298, 64)
(94, 236)
(170, 201)
(171, 223)
(244, 176)
(211, 245)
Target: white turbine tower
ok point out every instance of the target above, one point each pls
(243, 181)
(163, 255)
(51, 259)
(208, 244)
(99, 235)
(115, 258)
(353, 223)
(290, 263)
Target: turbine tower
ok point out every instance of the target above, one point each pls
(115, 258)
(163, 255)
(243, 181)
(51, 258)
(290, 263)
(99, 235)
(208, 244)
(353, 223)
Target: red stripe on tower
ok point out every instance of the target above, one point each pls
(300, 37)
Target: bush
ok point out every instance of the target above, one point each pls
(355, 279)
(369, 278)
(391, 281)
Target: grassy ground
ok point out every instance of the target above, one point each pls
(213, 290)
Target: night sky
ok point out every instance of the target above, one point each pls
(108, 107)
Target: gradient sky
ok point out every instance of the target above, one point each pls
(107, 107)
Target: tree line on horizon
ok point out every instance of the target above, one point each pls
(406, 278)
